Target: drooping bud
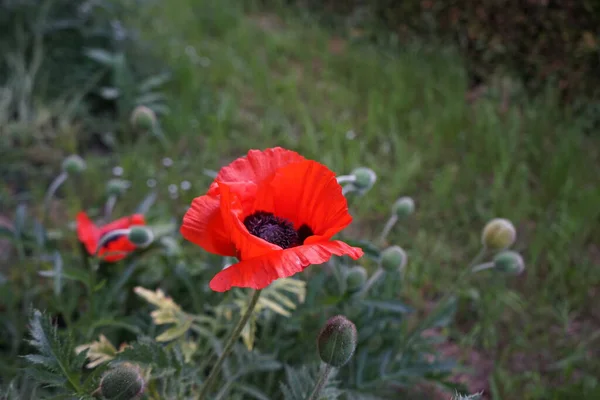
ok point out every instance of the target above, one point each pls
(355, 278)
(364, 178)
(140, 236)
(498, 234)
(143, 118)
(116, 187)
(73, 164)
(403, 207)
(509, 262)
(337, 341)
(393, 258)
(124, 382)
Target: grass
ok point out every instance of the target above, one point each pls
(248, 78)
(245, 78)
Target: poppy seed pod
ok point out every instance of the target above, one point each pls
(364, 178)
(393, 258)
(143, 118)
(140, 236)
(403, 207)
(498, 234)
(337, 341)
(124, 382)
(73, 164)
(115, 187)
(509, 262)
(355, 278)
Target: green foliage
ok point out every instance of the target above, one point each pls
(402, 115)
(536, 40)
(55, 364)
(299, 383)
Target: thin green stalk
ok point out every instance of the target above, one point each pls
(321, 382)
(374, 278)
(233, 337)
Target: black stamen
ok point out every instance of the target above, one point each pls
(112, 239)
(276, 230)
(304, 232)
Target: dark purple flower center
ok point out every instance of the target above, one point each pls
(276, 230)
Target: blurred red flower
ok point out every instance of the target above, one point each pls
(114, 249)
(273, 210)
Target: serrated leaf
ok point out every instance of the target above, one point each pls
(56, 360)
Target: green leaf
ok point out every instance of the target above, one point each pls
(55, 361)
(72, 274)
(58, 267)
(441, 316)
(20, 219)
(390, 305)
(154, 82)
(101, 56)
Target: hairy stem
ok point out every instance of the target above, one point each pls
(326, 370)
(233, 337)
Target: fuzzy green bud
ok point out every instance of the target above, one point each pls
(403, 207)
(116, 187)
(364, 178)
(509, 262)
(124, 382)
(140, 236)
(498, 234)
(143, 118)
(355, 278)
(73, 164)
(337, 341)
(393, 258)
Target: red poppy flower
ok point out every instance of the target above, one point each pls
(115, 249)
(276, 212)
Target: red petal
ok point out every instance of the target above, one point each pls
(204, 226)
(306, 193)
(259, 272)
(116, 250)
(257, 165)
(232, 213)
(123, 223)
(87, 232)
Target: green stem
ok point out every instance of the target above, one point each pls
(320, 383)
(374, 278)
(233, 337)
(56, 183)
(387, 229)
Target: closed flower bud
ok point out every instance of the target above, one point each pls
(393, 258)
(73, 164)
(124, 382)
(498, 234)
(509, 262)
(143, 118)
(337, 341)
(403, 207)
(364, 178)
(115, 187)
(140, 236)
(355, 278)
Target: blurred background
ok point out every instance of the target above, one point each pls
(477, 109)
